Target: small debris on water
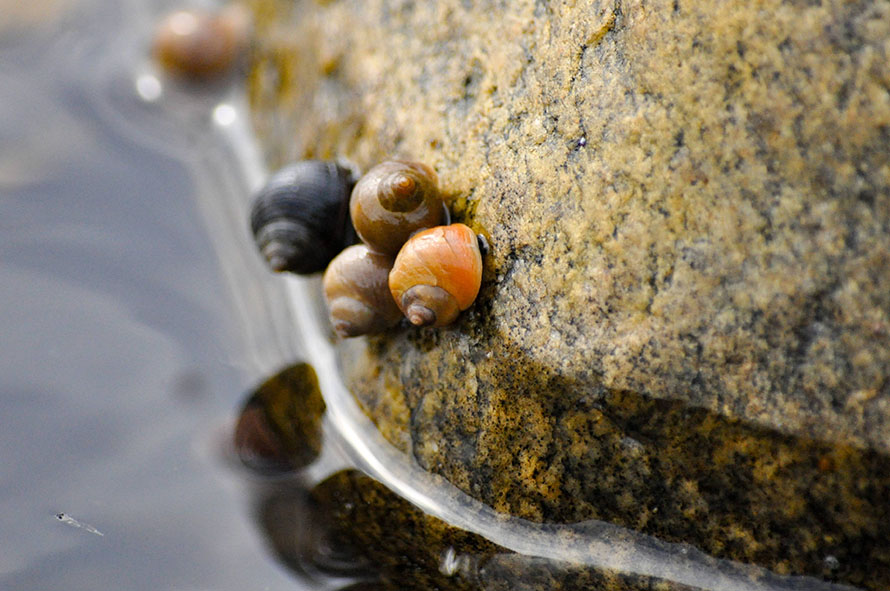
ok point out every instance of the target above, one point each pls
(68, 520)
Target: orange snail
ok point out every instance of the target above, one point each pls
(437, 275)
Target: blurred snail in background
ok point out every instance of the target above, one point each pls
(300, 218)
(392, 201)
(357, 293)
(437, 274)
(201, 44)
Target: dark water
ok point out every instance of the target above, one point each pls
(127, 343)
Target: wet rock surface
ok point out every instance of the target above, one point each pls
(684, 322)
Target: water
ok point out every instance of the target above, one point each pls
(127, 343)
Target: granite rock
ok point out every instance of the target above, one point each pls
(684, 323)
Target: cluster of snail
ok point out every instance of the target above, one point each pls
(410, 263)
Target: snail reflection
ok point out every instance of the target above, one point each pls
(351, 526)
(346, 531)
(279, 428)
(338, 528)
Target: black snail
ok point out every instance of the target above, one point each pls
(300, 218)
(357, 293)
(394, 200)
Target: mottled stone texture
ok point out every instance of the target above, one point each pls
(684, 324)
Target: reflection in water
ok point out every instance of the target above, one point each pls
(588, 547)
(350, 525)
(340, 528)
(279, 429)
(126, 338)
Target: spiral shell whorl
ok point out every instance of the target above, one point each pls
(392, 201)
(281, 243)
(399, 192)
(427, 305)
(300, 217)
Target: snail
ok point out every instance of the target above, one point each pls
(392, 201)
(357, 293)
(437, 275)
(201, 44)
(300, 218)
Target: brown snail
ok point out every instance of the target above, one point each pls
(201, 44)
(300, 218)
(357, 293)
(437, 274)
(394, 200)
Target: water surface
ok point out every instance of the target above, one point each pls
(127, 340)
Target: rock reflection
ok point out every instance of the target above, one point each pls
(279, 429)
(349, 525)
(339, 528)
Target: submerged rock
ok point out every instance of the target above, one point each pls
(684, 322)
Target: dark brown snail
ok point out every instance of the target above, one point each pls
(437, 274)
(201, 44)
(392, 201)
(357, 293)
(300, 218)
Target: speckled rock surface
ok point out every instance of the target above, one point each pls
(684, 323)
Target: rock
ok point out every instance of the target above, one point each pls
(684, 323)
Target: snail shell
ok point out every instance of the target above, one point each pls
(201, 44)
(300, 219)
(392, 201)
(437, 274)
(357, 293)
